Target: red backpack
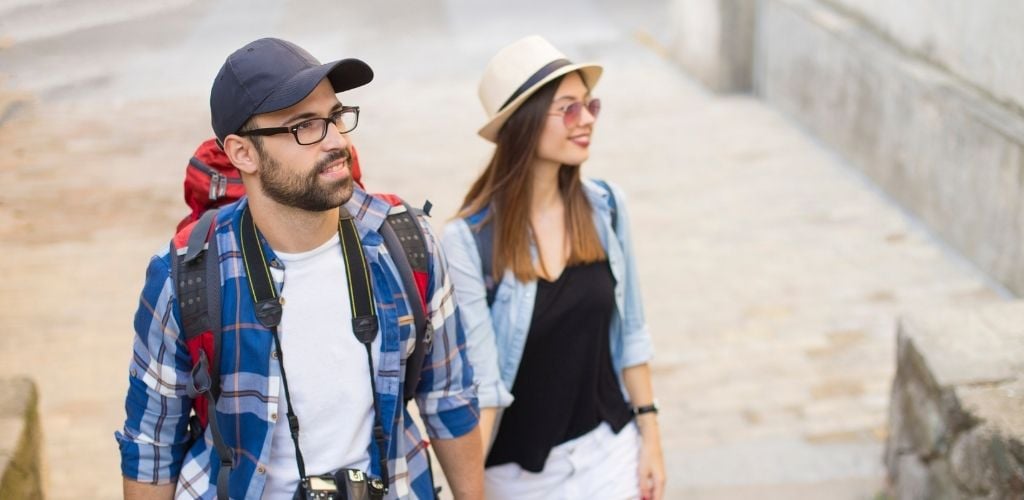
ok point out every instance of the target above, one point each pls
(211, 181)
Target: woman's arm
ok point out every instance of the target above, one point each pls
(651, 470)
(464, 268)
(637, 352)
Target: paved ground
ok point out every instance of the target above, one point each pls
(772, 272)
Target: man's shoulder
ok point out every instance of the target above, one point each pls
(160, 263)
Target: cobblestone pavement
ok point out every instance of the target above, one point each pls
(773, 272)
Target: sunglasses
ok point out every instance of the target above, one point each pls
(571, 113)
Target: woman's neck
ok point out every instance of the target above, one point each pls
(545, 193)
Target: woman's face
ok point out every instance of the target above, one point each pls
(566, 140)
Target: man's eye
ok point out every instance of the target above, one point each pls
(304, 125)
(336, 116)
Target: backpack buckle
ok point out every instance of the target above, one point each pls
(201, 381)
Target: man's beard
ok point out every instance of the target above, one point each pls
(305, 192)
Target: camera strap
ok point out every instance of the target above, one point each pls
(364, 316)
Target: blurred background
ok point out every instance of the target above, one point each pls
(826, 197)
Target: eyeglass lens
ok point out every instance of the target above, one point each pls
(574, 110)
(314, 130)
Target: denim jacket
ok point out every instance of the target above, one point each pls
(495, 337)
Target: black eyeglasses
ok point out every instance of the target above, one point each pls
(314, 130)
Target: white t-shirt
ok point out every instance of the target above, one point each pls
(328, 377)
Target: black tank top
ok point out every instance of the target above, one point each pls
(566, 385)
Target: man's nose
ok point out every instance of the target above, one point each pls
(334, 140)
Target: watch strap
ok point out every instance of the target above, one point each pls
(640, 410)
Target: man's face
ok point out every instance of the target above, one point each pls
(315, 177)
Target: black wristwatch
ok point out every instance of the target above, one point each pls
(640, 410)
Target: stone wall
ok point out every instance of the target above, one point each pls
(20, 440)
(977, 42)
(910, 97)
(947, 152)
(956, 415)
(714, 40)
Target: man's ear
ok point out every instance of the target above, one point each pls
(242, 154)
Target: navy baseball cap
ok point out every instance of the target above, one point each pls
(271, 74)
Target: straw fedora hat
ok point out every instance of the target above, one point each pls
(519, 70)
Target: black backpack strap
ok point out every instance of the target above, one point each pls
(612, 204)
(406, 243)
(407, 246)
(484, 236)
(196, 277)
(213, 305)
(192, 279)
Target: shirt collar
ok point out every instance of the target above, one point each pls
(369, 211)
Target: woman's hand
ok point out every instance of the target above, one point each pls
(651, 466)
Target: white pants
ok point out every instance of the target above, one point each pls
(598, 465)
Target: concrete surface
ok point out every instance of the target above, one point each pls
(772, 272)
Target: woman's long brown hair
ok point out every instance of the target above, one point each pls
(506, 185)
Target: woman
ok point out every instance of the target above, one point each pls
(547, 289)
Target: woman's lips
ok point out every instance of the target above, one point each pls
(581, 140)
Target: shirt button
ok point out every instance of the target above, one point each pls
(273, 354)
(273, 416)
(281, 300)
(133, 372)
(261, 470)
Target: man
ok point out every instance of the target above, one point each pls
(275, 111)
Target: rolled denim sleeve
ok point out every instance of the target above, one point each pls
(471, 295)
(637, 347)
(446, 394)
(154, 439)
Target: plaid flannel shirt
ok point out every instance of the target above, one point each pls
(155, 444)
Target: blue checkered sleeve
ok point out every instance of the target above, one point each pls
(154, 439)
(446, 393)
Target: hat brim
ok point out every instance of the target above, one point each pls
(591, 74)
(345, 74)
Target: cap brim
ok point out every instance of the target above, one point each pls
(345, 74)
(591, 74)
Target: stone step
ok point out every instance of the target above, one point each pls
(21, 474)
(956, 429)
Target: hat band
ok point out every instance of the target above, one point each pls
(536, 77)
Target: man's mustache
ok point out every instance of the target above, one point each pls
(331, 158)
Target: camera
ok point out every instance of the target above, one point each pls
(346, 484)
